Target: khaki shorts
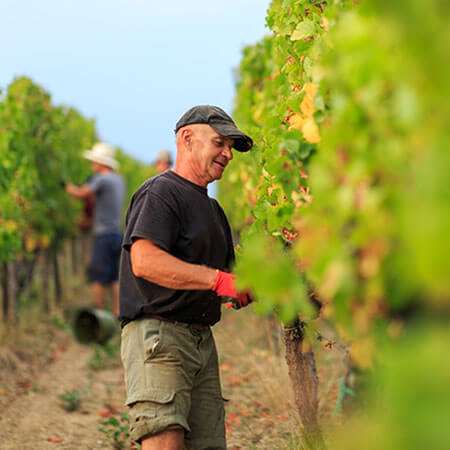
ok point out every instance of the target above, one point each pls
(172, 380)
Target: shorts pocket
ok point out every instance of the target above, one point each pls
(148, 382)
(159, 346)
(149, 415)
(159, 411)
(153, 402)
(162, 377)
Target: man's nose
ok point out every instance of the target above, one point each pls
(228, 152)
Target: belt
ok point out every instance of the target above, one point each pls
(191, 326)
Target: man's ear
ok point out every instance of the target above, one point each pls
(186, 137)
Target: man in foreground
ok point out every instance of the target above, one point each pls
(108, 189)
(177, 254)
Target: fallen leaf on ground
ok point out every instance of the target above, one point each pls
(245, 412)
(62, 347)
(234, 380)
(233, 418)
(105, 412)
(56, 354)
(225, 367)
(282, 417)
(112, 408)
(24, 384)
(55, 439)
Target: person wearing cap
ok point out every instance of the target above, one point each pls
(163, 161)
(175, 271)
(108, 188)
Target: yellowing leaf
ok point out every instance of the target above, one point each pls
(307, 105)
(30, 243)
(45, 241)
(311, 131)
(324, 23)
(10, 225)
(257, 113)
(296, 121)
(271, 189)
(362, 353)
(296, 196)
(332, 280)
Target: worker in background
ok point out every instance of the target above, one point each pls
(108, 188)
(163, 161)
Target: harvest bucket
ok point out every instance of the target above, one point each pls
(92, 325)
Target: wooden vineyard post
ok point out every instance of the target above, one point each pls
(66, 266)
(303, 374)
(74, 255)
(5, 291)
(45, 277)
(24, 270)
(58, 291)
(9, 292)
(13, 310)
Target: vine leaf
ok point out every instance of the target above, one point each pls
(303, 30)
(311, 131)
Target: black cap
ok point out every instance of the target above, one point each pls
(218, 119)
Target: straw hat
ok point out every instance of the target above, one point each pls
(102, 153)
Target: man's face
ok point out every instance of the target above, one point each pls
(99, 168)
(210, 153)
(162, 165)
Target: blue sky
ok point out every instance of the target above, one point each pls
(133, 65)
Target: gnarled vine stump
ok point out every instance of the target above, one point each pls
(302, 371)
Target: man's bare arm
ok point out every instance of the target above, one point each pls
(79, 191)
(153, 264)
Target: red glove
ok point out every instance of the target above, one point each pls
(224, 286)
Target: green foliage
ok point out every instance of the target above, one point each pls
(116, 429)
(280, 104)
(59, 323)
(348, 110)
(408, 402)
(105, 356)
(71, 400)
(41, 149)
(348, 105)
(271, 273)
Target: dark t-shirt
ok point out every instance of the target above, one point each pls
(180, 218)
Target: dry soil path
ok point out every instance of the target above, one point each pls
(259, 411)
(37, 420)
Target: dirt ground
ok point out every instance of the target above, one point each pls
(260, 411)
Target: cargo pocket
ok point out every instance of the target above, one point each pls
(154, 415)
(155, 404)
